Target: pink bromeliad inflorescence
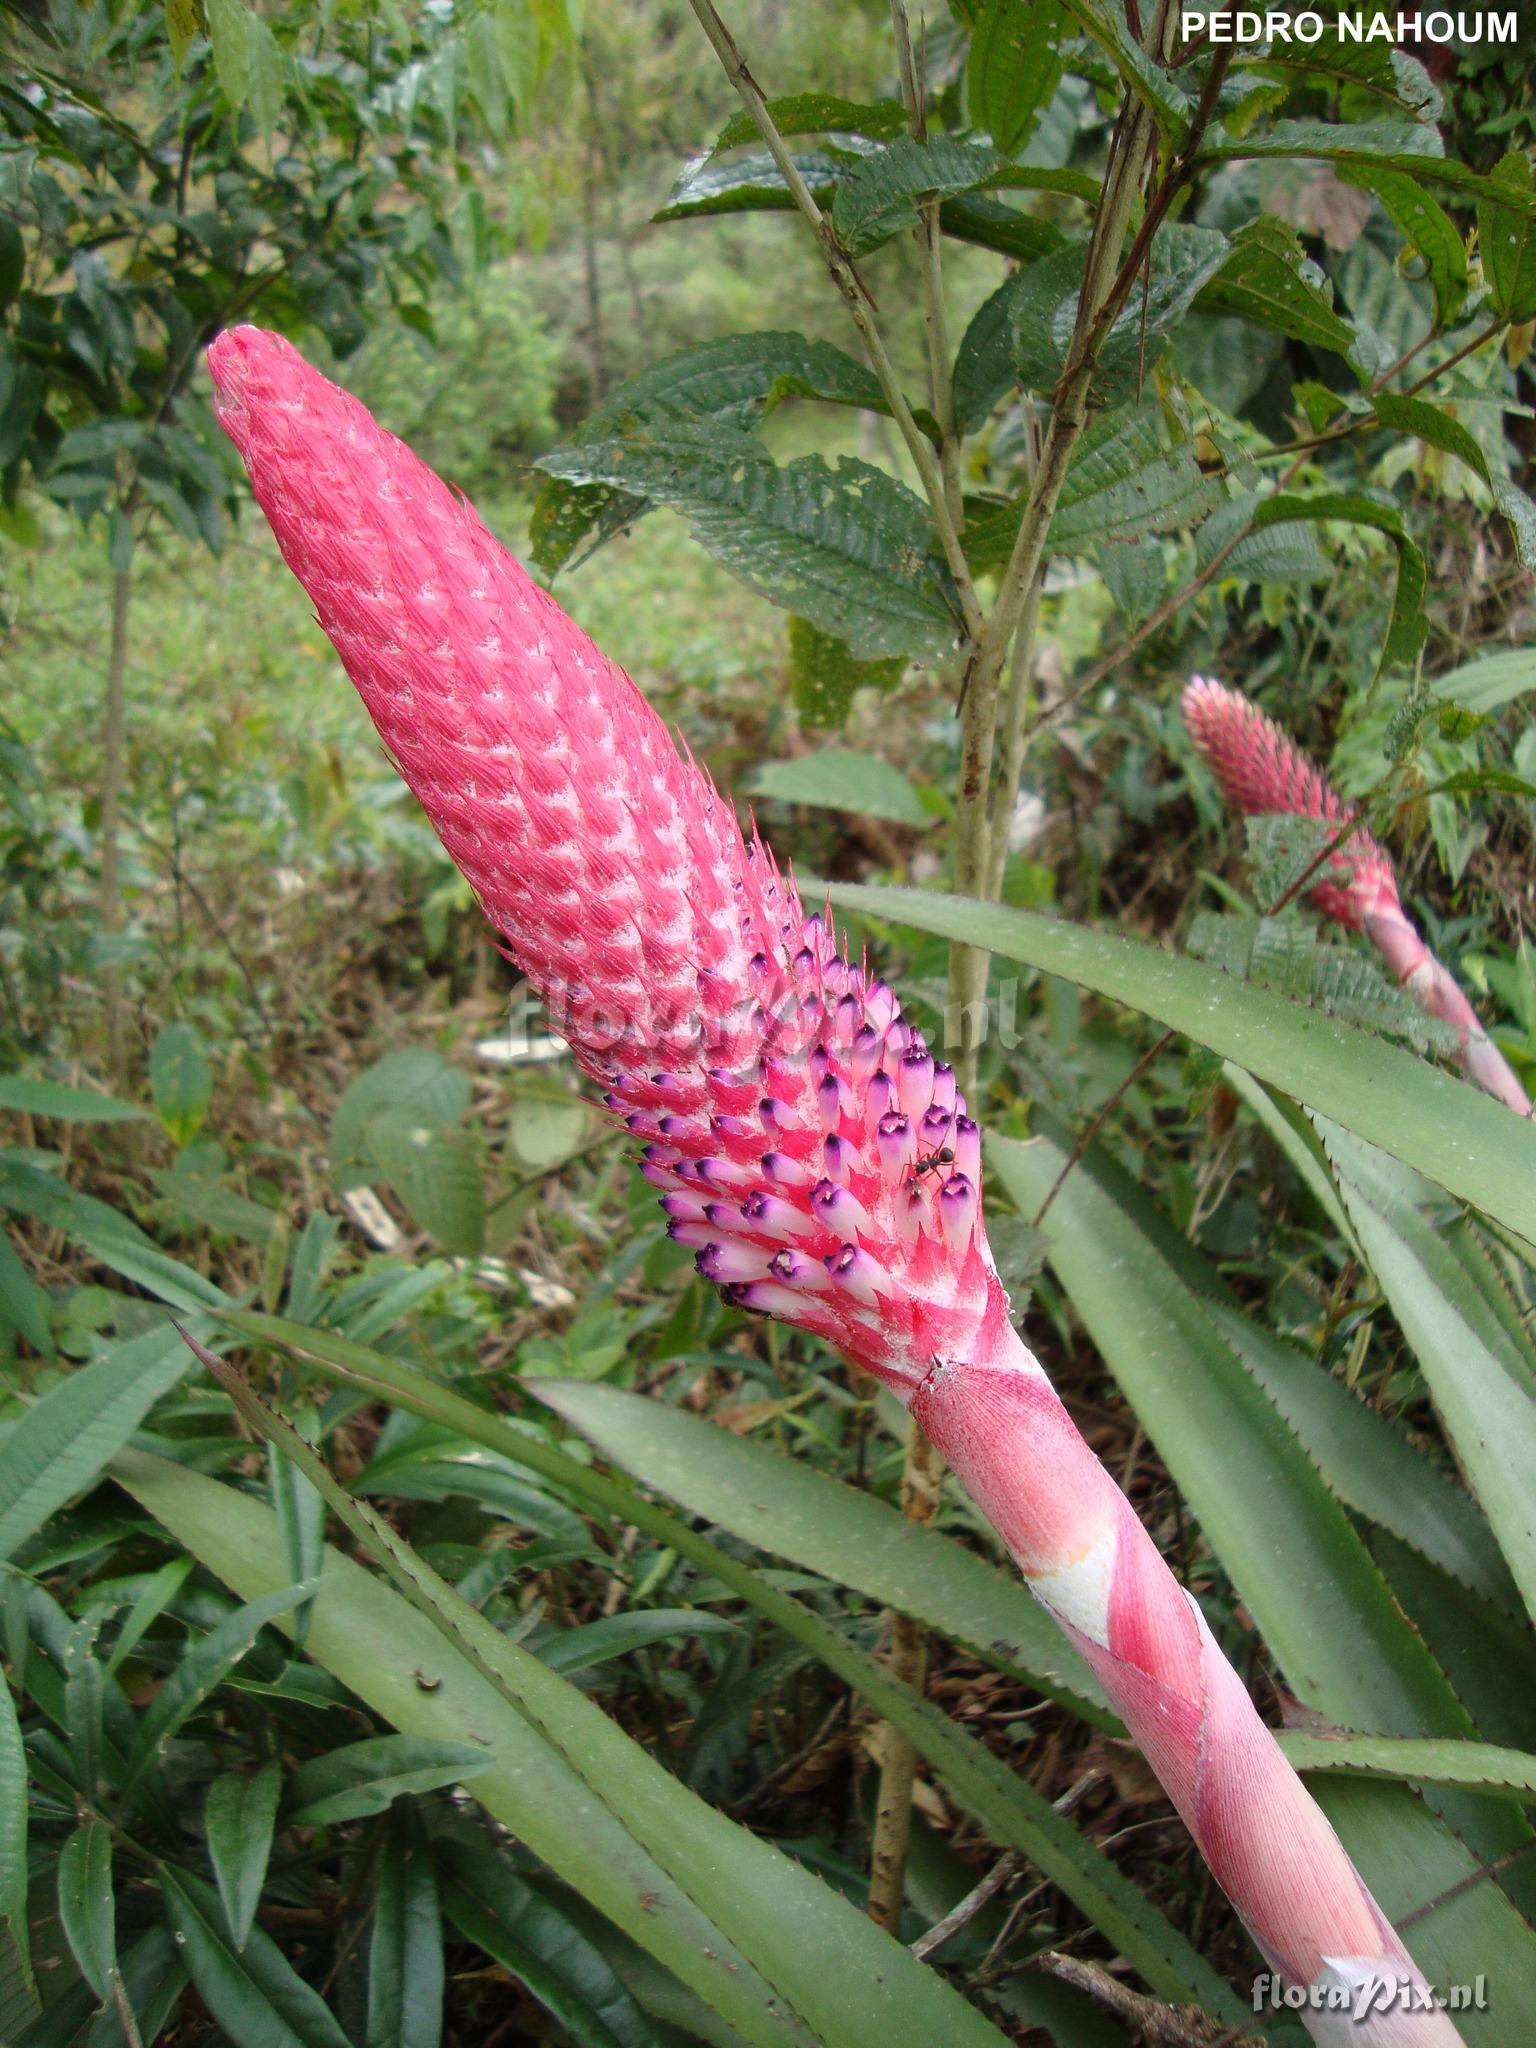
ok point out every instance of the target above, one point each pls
(1261, 773)
(805, 1141)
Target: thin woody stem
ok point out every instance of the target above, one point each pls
(1021, 678)
(974, 859)
(922, 1468)
(847, 281)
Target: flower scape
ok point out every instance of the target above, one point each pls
(804, 1140)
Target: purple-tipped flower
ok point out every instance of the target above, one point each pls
(714, 1014)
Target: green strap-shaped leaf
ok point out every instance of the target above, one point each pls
(239, 1818)
(108, 1234)
(1012, 1812)
(1485, 1406)
(1297, 1563)
(786, 1507)
(405, 1945)
(1475, 1765)
(729, 1913)
(86, 1909)
(18, 1991)
(201, 1670)
(69, 1105)
(1444, 1127)
(528, 1934)
(254, 1993)
(363, 1778)
(62, 1442)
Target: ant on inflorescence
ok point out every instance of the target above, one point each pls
(943, 1157)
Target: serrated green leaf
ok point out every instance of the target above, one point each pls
(1432, 424)
(1443, 1126)
(405, 1946)
(1424, 226)
(988, 223)
(984, 371)
(266, 74)
(878, 197)
(366, 1777)
(438, 1175)
(1268, 279)
(817, 113)
(1476, 1765)
(838, 779)
(254, 1994)
(181, 1081)
(1014, 67)
(1104, 22)
(180, 28)
(848, 548)
(1123, 483)
(1181, 265)
(736, 379)
(229, 31)
(415, 1087)
(746, 185)
(824, 675)
(1415, 149)
(61, 1443)
(239, 1819)
(86, 1910)
(1408, 625)
(1506, 237)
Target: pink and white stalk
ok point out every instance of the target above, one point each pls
(1261, 772)
(805, 1141)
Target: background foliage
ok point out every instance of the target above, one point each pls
(255, 1045)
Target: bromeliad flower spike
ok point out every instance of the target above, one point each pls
(1262, 772)
(805, 1141)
